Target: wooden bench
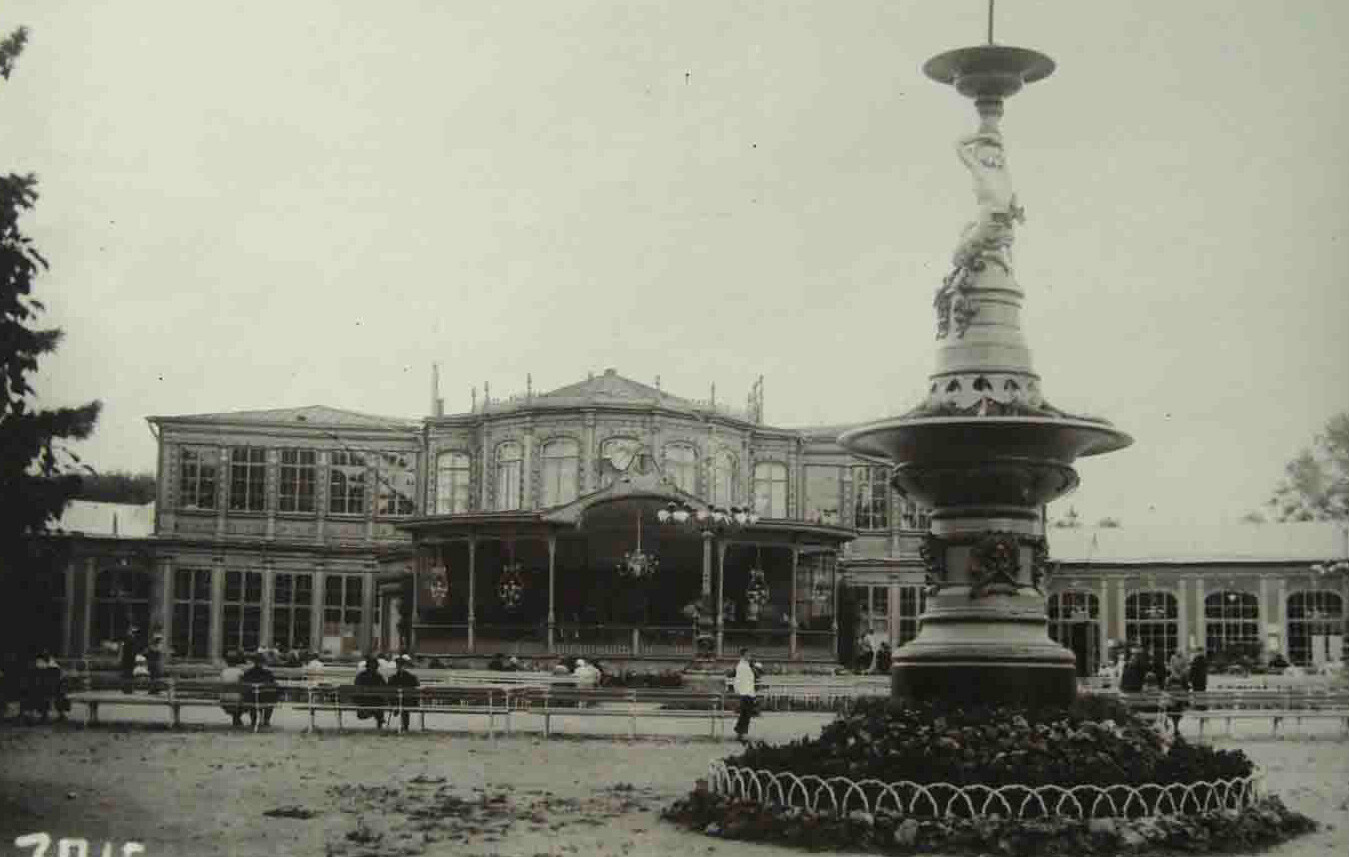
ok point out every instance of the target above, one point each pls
(630, 703)
(177, 695)
(1275, 705)
(491, 702)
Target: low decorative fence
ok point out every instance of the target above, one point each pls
(842, 796)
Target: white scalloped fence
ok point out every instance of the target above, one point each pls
(841, 796)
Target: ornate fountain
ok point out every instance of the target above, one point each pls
(985, 450)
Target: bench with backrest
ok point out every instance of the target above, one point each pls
(174, 695)
(633, 704)
(1275, 705)
(354, 700)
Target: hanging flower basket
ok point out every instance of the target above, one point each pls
(756, 592)
(511, 588)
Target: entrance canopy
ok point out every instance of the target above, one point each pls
(602, 575)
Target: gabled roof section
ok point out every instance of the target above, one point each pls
(319, 415)
(613, 387)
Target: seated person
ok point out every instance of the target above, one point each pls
(371, 705)
(231, 699)
(142, 668)
(313, 669)
(404, 679)
(264, 693)
(586, 675)
(497, 663)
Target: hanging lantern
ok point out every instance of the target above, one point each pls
(511, 588)
(756, 593)
(436, 586)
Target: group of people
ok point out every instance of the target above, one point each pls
(373, 675)
(1143, 670)
(33, 689)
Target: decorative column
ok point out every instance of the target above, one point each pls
(316, 609)
(68, 615)
(552, 589)
(90, 588)
(721, 596)
(1103, 626)
(1121, 616)
(217, 608)
(707, 566)
(472, 589)
(266, 633)
(166, 601)
(1200, 618)
(369, 600)
(419, 570)
(833, 607)
(791, 635)
(1182, 612)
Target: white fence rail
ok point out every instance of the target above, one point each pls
(841, 795)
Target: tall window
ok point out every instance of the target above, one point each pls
(248, 479)
(618, 456)
(913, 516)
(1315, 627)
(561, 467)
(509, 476)
(121, 602)
(342, 605)
(871, 498)
(346, 483)
(397, 484)
(299, 468)
(873, 609)
(770, 490)
(725, 486)
(292, 601)
(1151, 619)
(823, 494)
(1232, 623)
(912, 603)
(452, 483)
(681, 466)
(815, 591)
(192, 612)
(243, 611)
(197, 478)
(1075, 624)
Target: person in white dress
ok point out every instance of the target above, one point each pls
(744, 688)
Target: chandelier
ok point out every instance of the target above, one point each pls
(636, 563)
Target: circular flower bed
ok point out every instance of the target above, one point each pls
(1090, 778)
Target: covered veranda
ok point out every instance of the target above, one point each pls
(569, 581)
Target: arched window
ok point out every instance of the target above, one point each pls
(725, 488)
(1151, 620)
(1315, 627)
(770, 490)
(1232, 623)
(617, 456)
(1075, 623)
(509, 476)
(561, 463)
(681, 466)
(453, 475)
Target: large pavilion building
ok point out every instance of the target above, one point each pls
(532, 525)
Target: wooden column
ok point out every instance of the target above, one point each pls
(316, 610)
(217, 609)
(90, 583)
(166, 602)
(833, 608)
(472, 587)
(369, 600)
(266, 633)
(419, 569)
(707, 565)
(791, 638)
(552, 588)
(1182, 613)
(1200, 619)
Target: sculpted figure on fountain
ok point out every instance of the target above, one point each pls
(985, 241)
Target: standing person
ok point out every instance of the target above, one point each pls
(231, 698)
(1178, 672)
(744, 688)
(1199, 672)
(1135, 667)
(406, 681)
(263, 690)
(371, 704)
(154, 657)
(128, 658)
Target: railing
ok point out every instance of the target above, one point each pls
(841, 796)
(581, 639)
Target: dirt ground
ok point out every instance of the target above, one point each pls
(207, 790)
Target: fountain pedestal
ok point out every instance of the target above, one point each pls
(985, 451)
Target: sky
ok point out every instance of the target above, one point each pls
(255, 204)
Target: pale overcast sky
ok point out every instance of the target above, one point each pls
(270, 204)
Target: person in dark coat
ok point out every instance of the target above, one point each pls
(1199, 672)
(130, 648)
(405, 680)
(1131, 679)
(154, 657)
(372, 704)
(264, 692)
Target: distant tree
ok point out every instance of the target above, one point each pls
(36, 468)
(118, 486)
(1315, 484)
